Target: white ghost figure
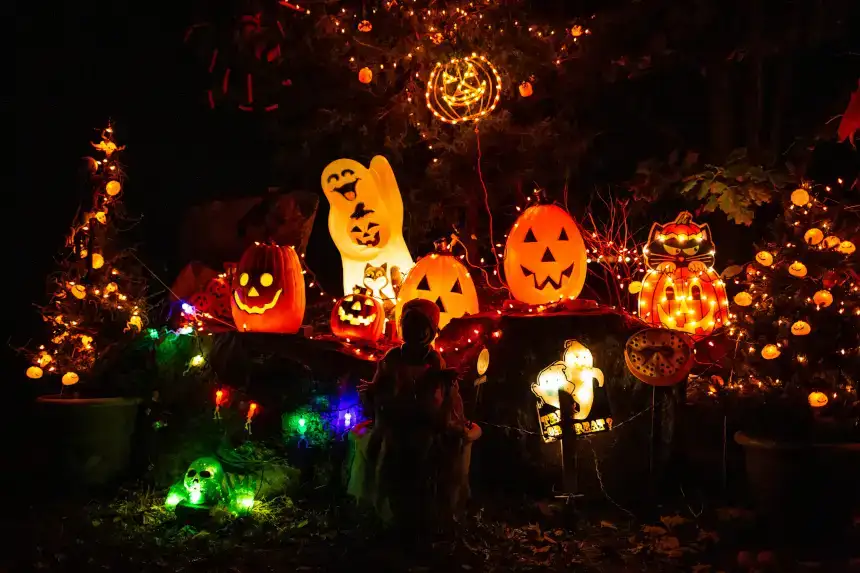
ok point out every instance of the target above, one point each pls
(366, 222)
(574, 374)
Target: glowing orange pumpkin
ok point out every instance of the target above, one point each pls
(442, 279)
(817, 399)
(268, 290)
(545, 258)
(695, 303)
(358, 315)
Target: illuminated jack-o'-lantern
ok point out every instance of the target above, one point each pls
(797, 269)
(831, 242)
(365, 26)
(113, 187)
(358, 315)
(268, 290)
(70, 379)
(526, 89)
(659, 357)
(823, 298)
(365, 75)
(770, 351)
(813, 236)
(764, 258)
(442, 279)
(682, 291)
(545, 258)
(846, 248)
(800, 197)
(34, 372)
(801, 328)
(817, 399)
(743, 299)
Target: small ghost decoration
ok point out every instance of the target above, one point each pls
(573, 374)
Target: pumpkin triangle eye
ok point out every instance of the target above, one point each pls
(563, 235)
(423, 284)
(355, 230)
(530, 237)
(457, 288)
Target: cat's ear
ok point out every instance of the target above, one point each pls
(384, 267)
(367, 266)
(706, 232)
(656, 229)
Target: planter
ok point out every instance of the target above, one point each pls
(803, 491)
(84, 441)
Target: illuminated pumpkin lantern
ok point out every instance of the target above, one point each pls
(526, 89)
(817, 399)
(358, 315)
(34, 372)
(797, 269)
(365, 26)
(682, 291)
(113, 187)
(70, 379)
(813, 236)
(365, 76)
(846, 248)
(442, 279)
(823, 298)
(770, 351)
(832, 242)
(801, 328)
(764, 258)
(743, 299)
(545, 258)
(268, 290)
(800, 197)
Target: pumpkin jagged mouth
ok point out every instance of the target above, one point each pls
(372, 241)
(355, 320)
(548, 280)
(256, 309)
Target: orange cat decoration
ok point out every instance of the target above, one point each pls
(681, 289)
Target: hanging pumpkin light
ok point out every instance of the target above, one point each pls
(113, 187)
(545, 258)
(98, 261)
(34, 372)
(743, 299)
(463, 89)
(800, 197)
(526, 89)
(764, 258)
(365, 75)
(576, 31)
(442, 279)
(813, 236)
(70, 379)
(681, 290)
(365, 26)
(846, 248)
(801, 328)
(823, 298)
(770, 351)
(635, 287)
(78, 291)
(817, 399)
(797, 269)
(832, 242)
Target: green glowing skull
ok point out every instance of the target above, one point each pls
(205, 483)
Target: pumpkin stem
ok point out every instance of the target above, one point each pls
(442, 246)
(684, 218)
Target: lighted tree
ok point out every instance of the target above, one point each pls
(97, 295)
(797, 319)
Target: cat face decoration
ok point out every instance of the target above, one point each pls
(366, 224)
(681, 289)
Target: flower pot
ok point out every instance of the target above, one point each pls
(86, 441)
(803, 492)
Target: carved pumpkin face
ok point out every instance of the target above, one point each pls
(797, 269)
(268, 290)
(823, 298)
(545, 257)
(846, 248)
(358, 315)
(770, 351)
(695, 303)
(443, 280)
(801, 328)
(764, 258)
(817, 399)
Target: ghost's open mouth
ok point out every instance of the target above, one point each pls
(548, 280)
(347, 190)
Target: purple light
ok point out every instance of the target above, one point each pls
(188, 309)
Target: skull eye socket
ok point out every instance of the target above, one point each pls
(205, 474)
(266, 279)
(192, 473)
(530, 237)
(243, 279)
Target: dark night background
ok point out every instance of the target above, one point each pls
(81, 64)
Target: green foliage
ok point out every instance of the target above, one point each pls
(736, 188)
(305, 424)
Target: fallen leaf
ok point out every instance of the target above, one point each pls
(705, 535)
(608, 525)
(653, 530)
(671, 521)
